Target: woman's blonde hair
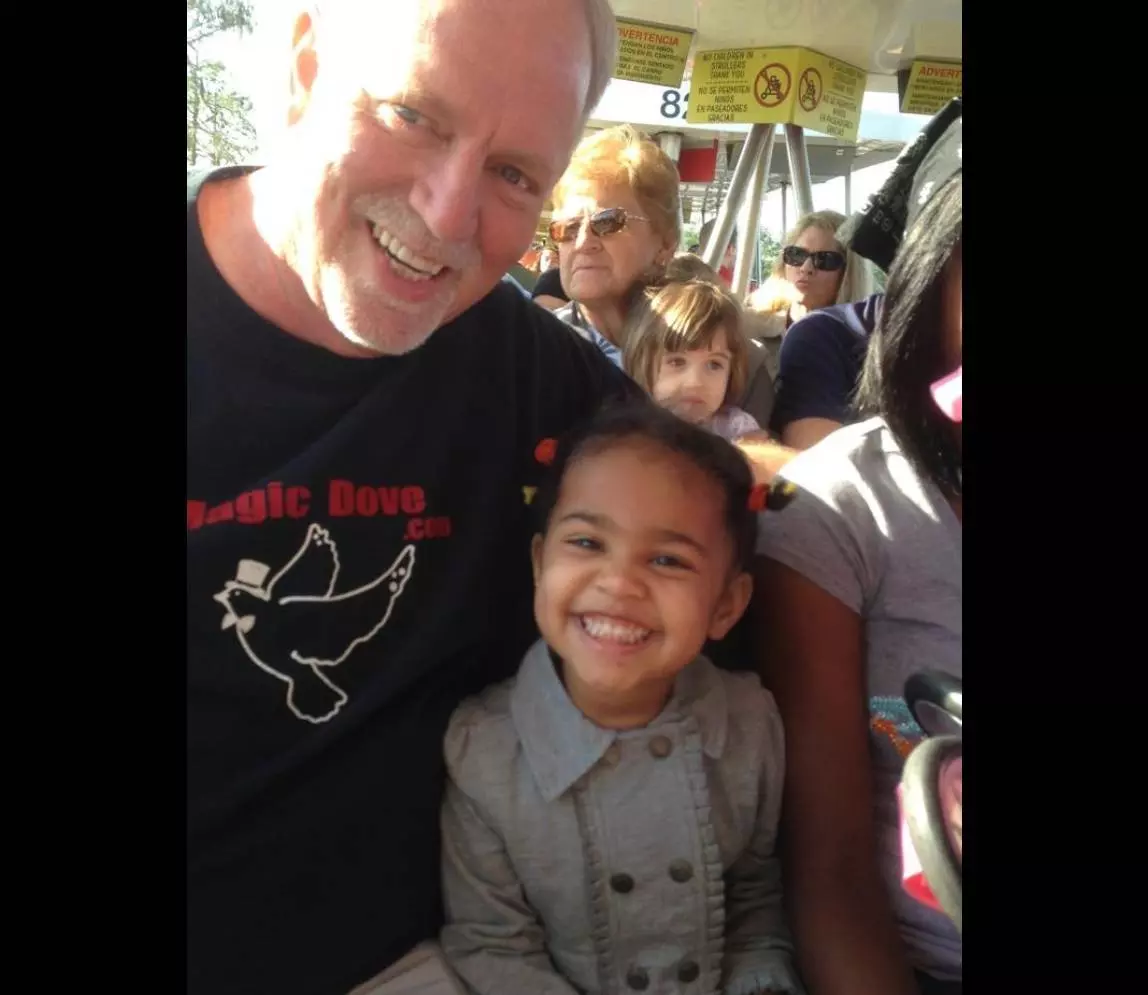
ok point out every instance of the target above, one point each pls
(680, 317)
(777, 293)
(623, 156)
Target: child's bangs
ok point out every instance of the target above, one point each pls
(692, 322)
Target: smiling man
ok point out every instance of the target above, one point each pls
(369, 413)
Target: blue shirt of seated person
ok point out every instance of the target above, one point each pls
(820, 362)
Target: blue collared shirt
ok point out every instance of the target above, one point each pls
(573, 316)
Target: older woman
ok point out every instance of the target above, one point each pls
(859, 586)
(617, 223)
(814, 270)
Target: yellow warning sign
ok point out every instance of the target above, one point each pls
(931, 85)
(650, 53)
(777, 86)
(829, 95)
(741, 86)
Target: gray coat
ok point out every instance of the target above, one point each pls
(578, 859)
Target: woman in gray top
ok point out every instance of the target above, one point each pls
(611, 813)
(858, 588)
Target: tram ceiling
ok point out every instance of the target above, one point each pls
(879, 36)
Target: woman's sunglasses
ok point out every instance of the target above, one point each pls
(828, 260)
(608, 222)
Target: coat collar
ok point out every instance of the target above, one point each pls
(560, 744)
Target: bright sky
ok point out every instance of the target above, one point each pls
(826, 197)
(257, 64)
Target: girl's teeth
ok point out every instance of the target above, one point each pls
(614, 631)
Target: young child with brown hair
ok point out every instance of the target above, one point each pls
(686, 346)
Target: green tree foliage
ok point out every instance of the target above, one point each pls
(770, 250)
(219, 129)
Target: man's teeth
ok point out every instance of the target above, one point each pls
(423, 268)
(614, 631)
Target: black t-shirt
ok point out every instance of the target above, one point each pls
(550, 283)
(357, 561)
(820, 362)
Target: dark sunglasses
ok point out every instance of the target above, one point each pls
(828, 260)
(607, 222)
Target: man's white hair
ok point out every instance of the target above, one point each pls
(603, 50)
(603, 31)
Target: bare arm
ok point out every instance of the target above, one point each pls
(807, 432)
(846, 937)
(766, 456)
(550, 303)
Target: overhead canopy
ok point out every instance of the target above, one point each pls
(645, 106)
(879, 36)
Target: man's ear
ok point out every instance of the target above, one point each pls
(731, 606)
(304, 66)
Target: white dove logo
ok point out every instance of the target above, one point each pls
(306, 632)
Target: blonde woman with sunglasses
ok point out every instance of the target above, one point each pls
(813, 271)
(617, 223)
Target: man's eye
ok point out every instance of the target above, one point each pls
(516, 178)
(399, 116)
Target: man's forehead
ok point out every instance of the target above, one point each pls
(384, 39)
(374, 40)
(486, 59)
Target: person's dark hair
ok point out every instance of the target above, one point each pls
(906, 354)
(550, 284)
(643, 420)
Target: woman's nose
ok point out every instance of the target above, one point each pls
(585, 237)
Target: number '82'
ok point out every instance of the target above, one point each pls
(674, 103)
